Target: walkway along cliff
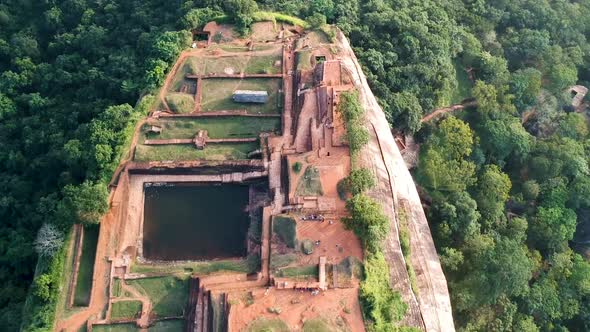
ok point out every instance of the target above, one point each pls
(430, 306)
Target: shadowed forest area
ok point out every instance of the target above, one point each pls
(504, 196)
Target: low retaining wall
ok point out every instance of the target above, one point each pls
(196, 167)
(219, 114)
(242, 75)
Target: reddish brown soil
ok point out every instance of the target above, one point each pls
(330, 236)
(297, 307)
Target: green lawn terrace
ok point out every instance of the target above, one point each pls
(171, 325)
(217, 95)
(216, 127)
(195, 86)
(228, 60)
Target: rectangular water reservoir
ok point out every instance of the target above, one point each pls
(195, 222)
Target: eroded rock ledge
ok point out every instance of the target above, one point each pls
(430, 306)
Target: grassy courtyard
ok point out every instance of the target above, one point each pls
(169, 295)
(270, 325)
(286, 229)
(224, 151)
(318, 325)
(125, 309)
(310, 184)
(258, 64)
(173, 325)
(217, 94)
(127, 327)
(247, 265)
(180, 102)
(86, 269)
(309, 271)
(224, 127)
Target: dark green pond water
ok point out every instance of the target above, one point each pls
(194, 222)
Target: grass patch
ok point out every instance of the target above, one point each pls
(116, 287)
(267, 64)
(310, 184)
(248, 265)
(268, 325)
(277, 261)
(404, 239)
(233, 151)
(286, 229)
(261, 16)
(350, 266)
(190, 66)
(299, 271)
(193, 66)
(464, 84)
(172, 325)
(84, 284)
(307, 246)
(377, 297)
(125, 309)
(348, 269)
(303, 59)
(317, 37)
(296, 167)
(316, 325)
(224, 127)
(217, 94)
(127, 327)
(248, 64)
(61, 307)
(169, 295)
(232, 48)
(180, 102)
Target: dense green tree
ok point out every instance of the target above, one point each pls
(360, 180)
(406, 110)
(367, 220)
(530, 190)
(525, 84)
(562, 76)
(443, 165)
(197, 17)
(459, 218)
(500, 269)
(242, 12)
(574, 126)
(439, 173)
(85, 203)
(491, 193)
(316, 20)
(552, 228)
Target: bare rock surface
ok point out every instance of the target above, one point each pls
(430, 308)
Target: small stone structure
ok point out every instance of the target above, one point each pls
(201, 139)
(322, 273)
(250, 96)
(155, 130)
(578, 93)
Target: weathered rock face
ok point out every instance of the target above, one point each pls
(430, 306)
